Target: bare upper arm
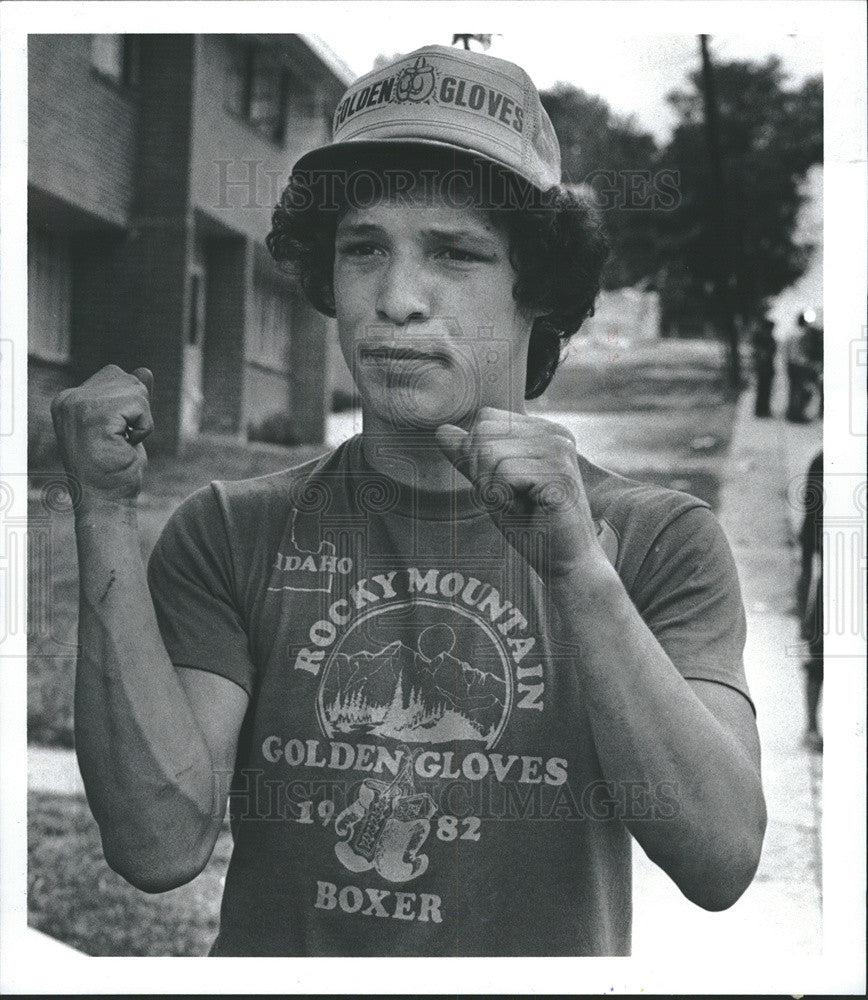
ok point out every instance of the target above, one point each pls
(733, 711)
(219, 706)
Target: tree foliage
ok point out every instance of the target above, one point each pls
(657, 204)
(769, 137)
(616, 160)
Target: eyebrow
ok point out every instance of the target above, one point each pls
(459, 234)
(435, 232)
(360, 229)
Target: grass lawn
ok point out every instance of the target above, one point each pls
(76, 898)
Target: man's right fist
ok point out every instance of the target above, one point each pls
(100, 426)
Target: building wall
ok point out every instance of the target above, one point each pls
(96, 308)
(162, 232)
(81, 163)
(237, 175)
(267, 405)
(44, 382)
(229, 268)
(81, 128)
(100, 308)
(108, 167)
(133, 175)
(311, 382)
(236, 178)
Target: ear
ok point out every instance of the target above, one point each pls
(326, 297)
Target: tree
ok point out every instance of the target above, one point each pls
(609, 155)
(769, 137)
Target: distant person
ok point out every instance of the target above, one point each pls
(814, 357)
(810, 597)
(764, 349)
(804, 354)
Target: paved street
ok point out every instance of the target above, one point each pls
(781, 912)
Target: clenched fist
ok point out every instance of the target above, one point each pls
(529, 469)
(100, 426)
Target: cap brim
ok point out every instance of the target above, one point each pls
(362, 153)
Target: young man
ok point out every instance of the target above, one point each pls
(452, 665)
(764, 350)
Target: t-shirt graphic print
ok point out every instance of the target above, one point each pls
(416, 773)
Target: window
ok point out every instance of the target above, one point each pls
(115, 57)
(256, 90)
(308, 113)
(268, 98)
(268, 342)
(49, 295)
(236, 97)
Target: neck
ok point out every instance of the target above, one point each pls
(410, 456)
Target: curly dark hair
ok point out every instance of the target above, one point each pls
(557, 247)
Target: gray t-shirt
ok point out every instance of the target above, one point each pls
(416, 774)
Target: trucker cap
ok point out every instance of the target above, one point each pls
(445, 98)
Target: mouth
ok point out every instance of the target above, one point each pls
(401, 355)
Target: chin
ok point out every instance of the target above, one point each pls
(403, 411)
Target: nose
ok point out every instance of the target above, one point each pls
(402, 296)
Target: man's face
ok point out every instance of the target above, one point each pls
(427, 321)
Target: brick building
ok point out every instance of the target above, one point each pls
(154, 164)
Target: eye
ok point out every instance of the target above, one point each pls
(360, 249)
(459, 255)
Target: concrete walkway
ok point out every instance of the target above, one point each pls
(781, 912)
(53, 770)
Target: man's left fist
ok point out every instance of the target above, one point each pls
(527, 468)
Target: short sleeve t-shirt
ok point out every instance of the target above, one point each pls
(416, 773)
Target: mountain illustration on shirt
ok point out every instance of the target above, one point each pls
(424, 695)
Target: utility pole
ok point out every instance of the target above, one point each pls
(719, 231)
(484, 40)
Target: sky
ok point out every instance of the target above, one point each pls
(632, 73)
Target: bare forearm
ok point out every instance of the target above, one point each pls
(650, 728)
(146, 767)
